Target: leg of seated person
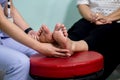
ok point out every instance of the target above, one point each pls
(13, 64)
(13, 44)
(104, 40)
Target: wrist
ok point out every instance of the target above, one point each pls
(28, 30)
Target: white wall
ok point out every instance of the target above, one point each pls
(50, 12)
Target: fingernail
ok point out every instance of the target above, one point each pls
(68, 55)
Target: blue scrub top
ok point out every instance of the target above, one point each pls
(2, 2)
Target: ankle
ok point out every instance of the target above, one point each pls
(79, 46)
(73, 46)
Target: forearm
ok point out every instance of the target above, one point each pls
(115, 15)
(17, 34)
(85, 11)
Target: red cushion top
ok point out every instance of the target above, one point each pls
(79, 64)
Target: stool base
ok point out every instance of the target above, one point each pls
(94, 76)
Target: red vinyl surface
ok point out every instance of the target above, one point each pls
(79, 64)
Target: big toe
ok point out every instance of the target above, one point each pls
(57, 27)
(45, 29)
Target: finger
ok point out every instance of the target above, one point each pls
(33, 36)
(60, 55)
(39, 31)
(37, 37)
(57, 54)
(97, 14)
(62, 50)
(92, 17)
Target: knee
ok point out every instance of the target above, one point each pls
(17, 68)
(21, 65)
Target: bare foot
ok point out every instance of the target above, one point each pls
(59, 35)
(45, 35)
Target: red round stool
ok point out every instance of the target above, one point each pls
(82, 65)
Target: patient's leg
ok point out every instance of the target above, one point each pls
(60, 36)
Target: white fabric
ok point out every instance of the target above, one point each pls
(101, 6)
